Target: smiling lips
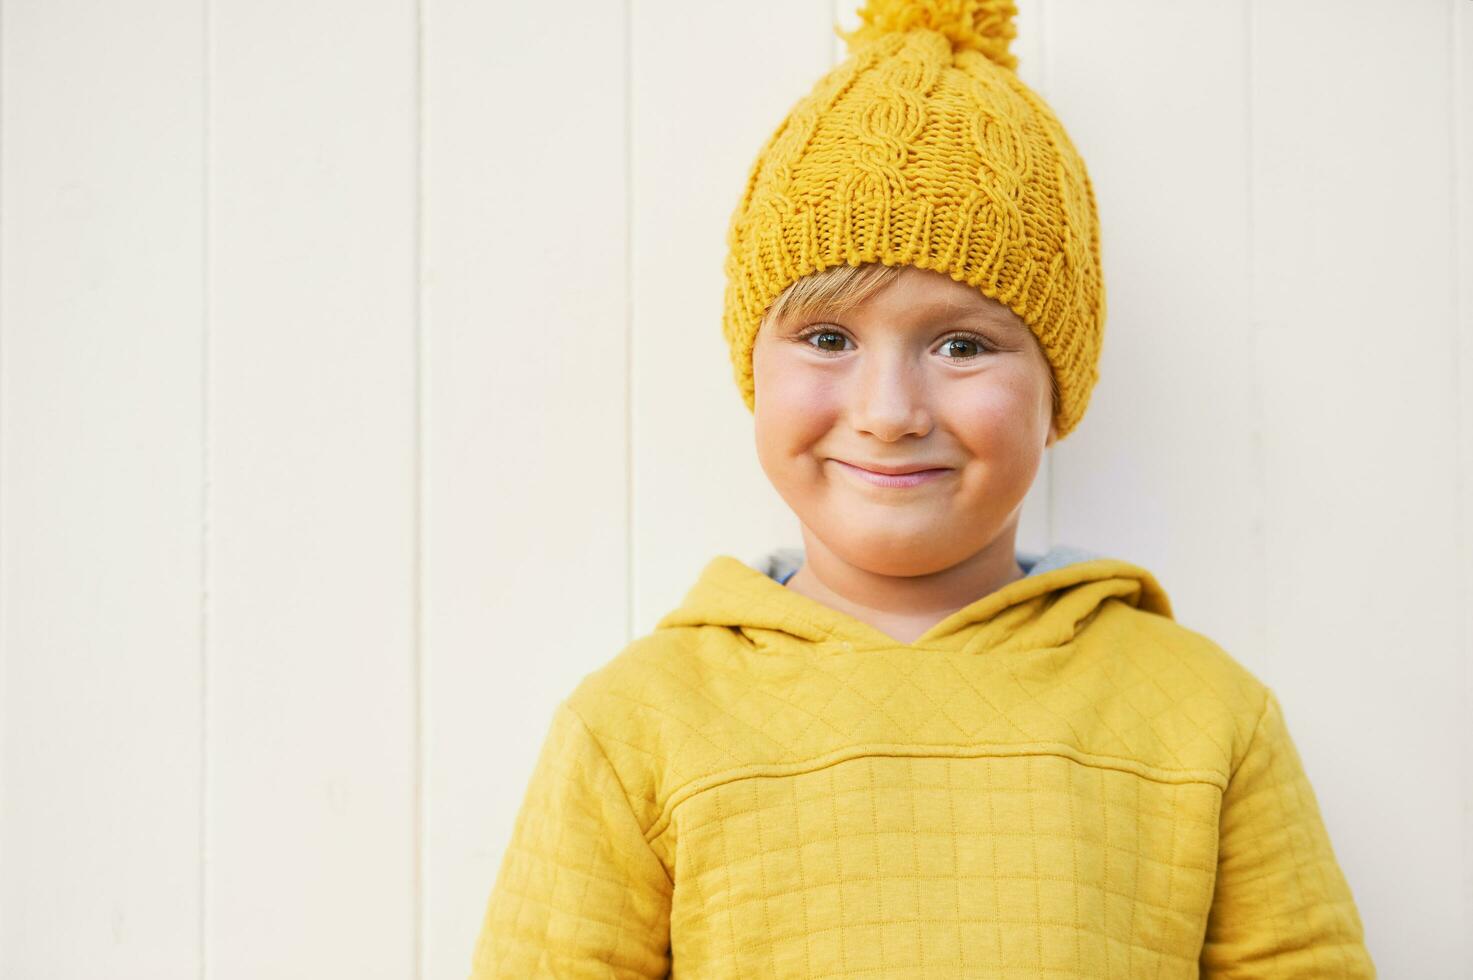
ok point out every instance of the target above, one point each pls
(895, 476)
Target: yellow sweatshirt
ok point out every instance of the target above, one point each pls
(1057, 780)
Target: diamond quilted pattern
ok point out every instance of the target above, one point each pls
(1058, 780)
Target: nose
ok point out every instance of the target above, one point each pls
(891, 395)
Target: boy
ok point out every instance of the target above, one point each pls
(907, 750)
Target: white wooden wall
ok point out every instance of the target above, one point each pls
(362, 388)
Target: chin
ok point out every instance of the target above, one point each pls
(887, 551)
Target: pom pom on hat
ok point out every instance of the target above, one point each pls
(985, 26)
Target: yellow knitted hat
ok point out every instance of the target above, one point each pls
(924, 148)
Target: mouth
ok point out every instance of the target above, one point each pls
(895, 476)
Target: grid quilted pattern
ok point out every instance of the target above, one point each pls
(961, 866)
(578, 893)
(1285, 908)
(1060, 782)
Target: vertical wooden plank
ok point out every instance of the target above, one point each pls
(526, 319)
(1165, 468)
(101, 509)
(701, 111)
(312, 361)
(1352, 302)
(1460, 12)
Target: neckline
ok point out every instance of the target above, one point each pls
(783, 610)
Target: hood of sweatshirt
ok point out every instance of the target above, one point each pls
(1061, 592)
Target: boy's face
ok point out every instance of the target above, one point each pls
(901, 381)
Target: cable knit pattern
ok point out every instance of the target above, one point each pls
(924, 148)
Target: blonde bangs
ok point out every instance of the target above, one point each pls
(831, 290)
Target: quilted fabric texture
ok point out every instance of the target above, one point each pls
(1057, 780)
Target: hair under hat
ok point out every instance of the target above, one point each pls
(924, 148)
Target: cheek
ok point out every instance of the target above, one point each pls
(997, 418)
(795, 406)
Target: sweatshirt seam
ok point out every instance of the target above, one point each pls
(1253, 735)
(623, 791)
(1156, 774)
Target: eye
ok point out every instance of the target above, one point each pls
(825, 336)
(962, 340)
(955, 347)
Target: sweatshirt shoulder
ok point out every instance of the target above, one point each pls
(1203, 680)
(644, 707)
(650, 673)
